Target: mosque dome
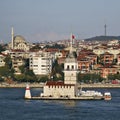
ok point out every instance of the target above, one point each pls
(19, 39)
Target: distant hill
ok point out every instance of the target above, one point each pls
(103, 38)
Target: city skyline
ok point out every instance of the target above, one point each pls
(51, 20)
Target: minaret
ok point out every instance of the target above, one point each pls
(70, 67)
(12, 34)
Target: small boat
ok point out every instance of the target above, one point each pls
(107, 96)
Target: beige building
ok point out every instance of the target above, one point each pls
(18, 57)
(113, 51)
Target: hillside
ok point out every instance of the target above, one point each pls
(103, 38)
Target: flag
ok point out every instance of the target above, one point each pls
(73, 37)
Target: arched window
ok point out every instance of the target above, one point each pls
(68, 67)
(72, 67)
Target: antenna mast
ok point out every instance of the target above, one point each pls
(105, 26)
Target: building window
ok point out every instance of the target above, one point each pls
(68, 67)
(72, 67)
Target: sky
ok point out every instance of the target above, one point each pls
(52, 20)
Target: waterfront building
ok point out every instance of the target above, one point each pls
(108, 69)
(41, 62)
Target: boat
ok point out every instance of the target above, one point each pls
(107, 96)
(90, 93)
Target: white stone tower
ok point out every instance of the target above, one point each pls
(70, 67)
(12, 34)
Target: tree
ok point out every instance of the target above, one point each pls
(42, 78)
(27, 75)
(113, 77)
(20, 78)
(8, 62)
(7, 71)
(57, 73)
(89, 78)
(56, 46)
(2, 48)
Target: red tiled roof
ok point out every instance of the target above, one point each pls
(51, 50)
(108, 66)
(57, 83)
(3, 54)
(17, 50)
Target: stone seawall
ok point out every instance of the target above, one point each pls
(21, 85)
(100, 85)
(37, 85)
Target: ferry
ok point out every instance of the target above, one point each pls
(90, 93)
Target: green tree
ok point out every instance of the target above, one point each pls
(2, 48)
(27, 75)
(42, 78)
(89, 78)
(20, 78)
(7, 71)
(8, 62)
(57, 73)
(56, 46)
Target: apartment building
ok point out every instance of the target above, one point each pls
(18, 57)
(107, 69)
(41, 62)
(107, 58)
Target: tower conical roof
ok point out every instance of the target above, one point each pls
(70, 58)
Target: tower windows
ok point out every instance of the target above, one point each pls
(72, 67)
(68, 67)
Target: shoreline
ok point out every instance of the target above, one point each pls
(38, 85)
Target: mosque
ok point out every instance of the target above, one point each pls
(18, 42)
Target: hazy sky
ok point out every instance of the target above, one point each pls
(46, 20)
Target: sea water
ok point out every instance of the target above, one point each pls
(13, 106)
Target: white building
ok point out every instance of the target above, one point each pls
(40, 62)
